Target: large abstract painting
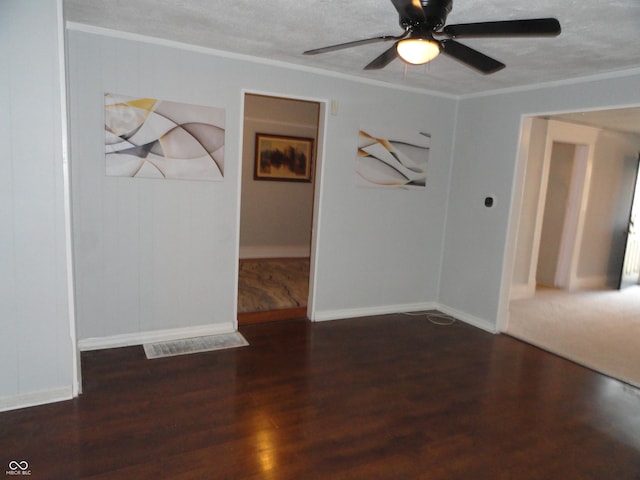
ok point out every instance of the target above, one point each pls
(150, 138)
(392, 159)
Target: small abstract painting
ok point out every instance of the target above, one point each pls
(150, 138)
(392, 160)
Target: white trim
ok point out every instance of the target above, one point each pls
(283, 123)
(555, 83)
(558, 131)
(342, 314)
(472, 320)
(519, 292)
(317, 190)
(32, 399)
(572, 229)
(509, 291)
(594, 282)
(140, 338)
(76, 381)
(542, 200)
(321, 144)
(584, 137)
(347, 313)
(284, 251)
(236, 252)
(107, 32)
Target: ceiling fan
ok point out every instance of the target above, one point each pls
(422, 20)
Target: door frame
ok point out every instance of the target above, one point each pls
(584, 138)
(317, 191)
(556, 131)
(573, 228)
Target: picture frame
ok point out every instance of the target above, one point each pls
(283, 158)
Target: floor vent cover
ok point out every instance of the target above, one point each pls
(194, 345)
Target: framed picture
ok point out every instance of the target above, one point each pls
(283, 158)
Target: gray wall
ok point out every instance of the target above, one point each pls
(36, 355)
(275, 217)
(162, 255)
(153, 255)
(485, 163)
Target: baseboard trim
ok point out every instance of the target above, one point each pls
(140, 338)
(474, 321)
(591, 283)
(521, 291)
(32, 399)
(292, 251)
(329, 315)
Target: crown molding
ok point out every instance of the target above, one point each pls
(135, 37)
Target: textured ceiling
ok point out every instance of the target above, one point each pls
(597, 37)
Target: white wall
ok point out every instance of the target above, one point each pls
(161, 255)
(534, 132)
(601, 249)
(555, 210)
(36, 353)
(484, 163)
(275, 217)
(607, 213)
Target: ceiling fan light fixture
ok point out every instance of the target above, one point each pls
(418, 51)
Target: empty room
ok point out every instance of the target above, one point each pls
(149, 150)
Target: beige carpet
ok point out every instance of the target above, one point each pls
(598, 329)
(272, 284)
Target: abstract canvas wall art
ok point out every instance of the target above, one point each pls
(392, 159)
(150, 138)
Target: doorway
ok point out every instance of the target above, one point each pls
(563, 221)
(585, 318)
(556, 213)
(630, 271)
(278, 180)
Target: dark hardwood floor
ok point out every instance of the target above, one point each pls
(380, 397)
(249, 318)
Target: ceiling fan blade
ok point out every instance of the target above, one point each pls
(506, 28)
(471, 57)
(356, 43)
(383, 60)
(410, 11)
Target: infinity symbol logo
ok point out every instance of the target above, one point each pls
(23, 465)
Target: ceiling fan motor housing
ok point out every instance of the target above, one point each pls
(424, 19)
(436, 12)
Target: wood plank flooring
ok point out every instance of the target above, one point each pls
(249, 318)
(387, 397)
